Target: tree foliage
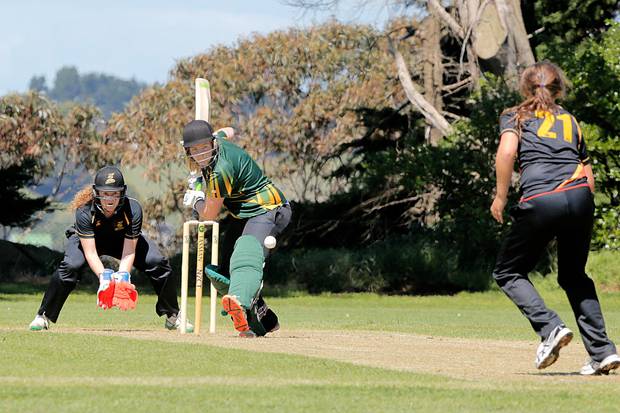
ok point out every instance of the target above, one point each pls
(16, 207)
(565, 24)
(595, 70)
(291, 96)
(39, 140)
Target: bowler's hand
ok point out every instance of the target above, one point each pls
(497, 209)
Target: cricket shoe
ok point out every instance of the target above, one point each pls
(595, 368)
(549, 350)
(173, 322)
(40, 322)
(233, 308)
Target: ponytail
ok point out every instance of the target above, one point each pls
(541, 85)
(83, 197)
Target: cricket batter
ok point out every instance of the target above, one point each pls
(557, 185)
(107, 222)
(260, 210)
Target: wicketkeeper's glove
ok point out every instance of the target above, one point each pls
(105, 294)
(125, 294)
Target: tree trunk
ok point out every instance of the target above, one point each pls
(432, 70)
(519, 52)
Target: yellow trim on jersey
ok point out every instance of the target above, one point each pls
(214, 188)
(579, 173)
(85, 235)
(578, 131)
(276, 194)
(227, 184)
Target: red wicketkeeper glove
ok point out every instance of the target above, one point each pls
(105, 294)
(125, 294)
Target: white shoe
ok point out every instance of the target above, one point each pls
(40, 322)
(594, 368)
(549, 350)
(173, 322)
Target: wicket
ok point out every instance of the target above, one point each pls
(215, 227)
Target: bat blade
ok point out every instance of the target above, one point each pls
(203, 99)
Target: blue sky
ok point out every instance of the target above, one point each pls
(139, 39)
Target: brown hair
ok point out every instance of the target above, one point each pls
(541, 84)
(83, 197)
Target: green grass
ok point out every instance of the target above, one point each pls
(73, 372)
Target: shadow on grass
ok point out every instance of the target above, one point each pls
(553, 374)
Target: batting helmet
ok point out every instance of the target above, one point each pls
(197, 132)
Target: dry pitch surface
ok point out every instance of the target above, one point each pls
(478, 361)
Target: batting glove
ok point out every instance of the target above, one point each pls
(125, 294)
(194, 182)
(105, 294)
(191, 197)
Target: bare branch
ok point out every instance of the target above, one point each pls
(429, 112)
(457, 85)
(438, 9)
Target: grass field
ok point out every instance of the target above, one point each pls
(346, 353)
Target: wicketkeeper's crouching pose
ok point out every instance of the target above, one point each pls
(233, 179)
(557, 185)
(107, 222)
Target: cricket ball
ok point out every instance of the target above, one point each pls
(269, 242)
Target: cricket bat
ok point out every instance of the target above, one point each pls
(202, 103)
(203, 99)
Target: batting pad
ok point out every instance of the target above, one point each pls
(219, 281)
(246, 270)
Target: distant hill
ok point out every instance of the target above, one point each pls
(107, 92)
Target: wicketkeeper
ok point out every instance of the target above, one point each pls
(107, 222)
(232, 179)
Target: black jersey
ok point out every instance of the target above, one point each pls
(126, 223)
(552, 151)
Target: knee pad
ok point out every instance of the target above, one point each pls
(246, 270)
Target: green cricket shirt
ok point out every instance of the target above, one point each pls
(247, 192)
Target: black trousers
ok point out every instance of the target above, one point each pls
(568, 217)
(270, 223)
(148, 259)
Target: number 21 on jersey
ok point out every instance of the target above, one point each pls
(549, 120)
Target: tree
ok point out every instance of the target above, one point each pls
(109, 93)
(38, 141)
(491, 32)
(594, 67)
(67, 84)
(290, 95)
(16, 208)
(38, 84)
